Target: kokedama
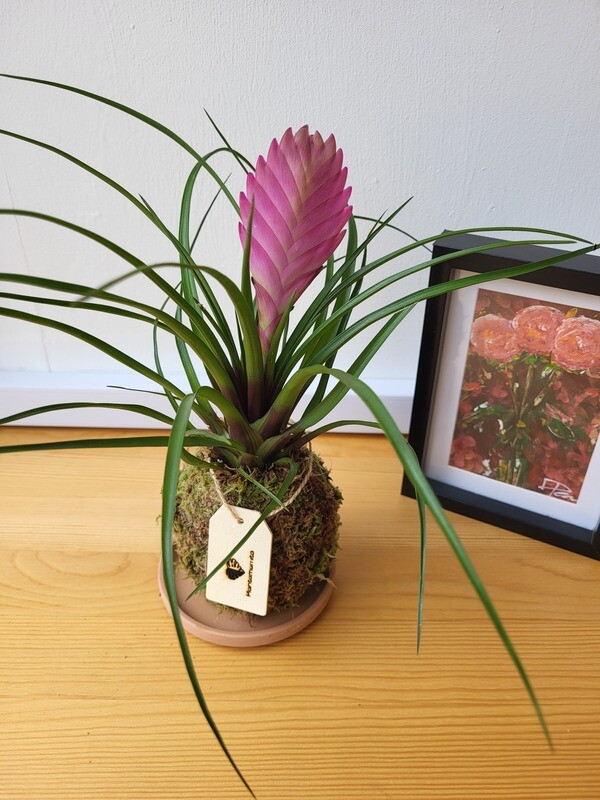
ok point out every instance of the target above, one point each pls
(236, 432)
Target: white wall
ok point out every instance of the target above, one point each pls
(487, 112)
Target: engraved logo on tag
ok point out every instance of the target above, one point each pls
(233, 570)
(243, 579)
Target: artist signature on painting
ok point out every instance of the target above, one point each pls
(557, 489)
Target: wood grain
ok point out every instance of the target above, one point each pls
(95, 702)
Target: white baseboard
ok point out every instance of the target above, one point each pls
(25, 390)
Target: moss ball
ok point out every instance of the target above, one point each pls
(305, 534)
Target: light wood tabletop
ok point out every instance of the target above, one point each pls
(96, 704)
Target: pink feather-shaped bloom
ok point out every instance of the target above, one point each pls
(300, 210)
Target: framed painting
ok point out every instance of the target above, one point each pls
(506, 416)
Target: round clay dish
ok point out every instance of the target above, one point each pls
(204, 619)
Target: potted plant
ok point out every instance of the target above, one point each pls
(248, 467)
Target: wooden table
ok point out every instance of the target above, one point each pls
(95, 702)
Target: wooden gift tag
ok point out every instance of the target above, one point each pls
(243, 582)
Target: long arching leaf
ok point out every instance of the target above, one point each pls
(324, 297)
(242, 160)
(394, 228)
(422, 550)
(331, 426)
(244, 313)
(133, 408)
(434, 291)
(94, 444)
(209, 349)
(105, 179)
(138, 115)
(348, 304)
(169, 491)
(282, 408)
(99, 344)
(157, 317)
(414, 473)
(186, 278)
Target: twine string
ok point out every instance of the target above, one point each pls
(221, 497)
(299, 489)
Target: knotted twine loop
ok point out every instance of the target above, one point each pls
(300, 488)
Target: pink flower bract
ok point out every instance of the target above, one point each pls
(577, 344)
(536, 328)
(300, 210)
(493, 337)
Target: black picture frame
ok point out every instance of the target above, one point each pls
(579, 275)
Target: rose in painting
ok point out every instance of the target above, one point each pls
(577, 344)
(536, 328)
(493, 337)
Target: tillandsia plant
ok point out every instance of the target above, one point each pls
(294, 215)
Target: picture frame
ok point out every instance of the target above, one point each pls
(506, 413)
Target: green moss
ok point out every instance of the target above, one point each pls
(305, 535)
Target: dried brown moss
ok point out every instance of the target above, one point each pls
(305, 535)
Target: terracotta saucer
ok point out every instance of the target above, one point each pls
(204, 620)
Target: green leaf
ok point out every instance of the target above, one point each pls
(232, 414)
(244, 313)
(322, 318)
(93, 444)
(146, 209)
(246, 316)
(339, 326)
(283, 406)
(322, 315)
(96, 237)
(246, 283)
(157, 363)
(423, 529)
(325, 296)
(432, 291)
(433, 262)
(202, 409)
(135, 409)
(269, 369)
(414, 473)
(141, 206)
(394, 228)
(184, 357)
(187, 278)
(169, 491)
(561, 431)
(329, 291)
(331, 426)
(208, 349)
(163, 320)
(205, 215)
(98, 307)
(138, 115)
(188, 299)
(252, 353)
(156, 317)
(135, 389)
(260, 486)
(104, 347)
(210, 439)
(316, 413)
(242, 161)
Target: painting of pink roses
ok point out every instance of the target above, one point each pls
(529, 410)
